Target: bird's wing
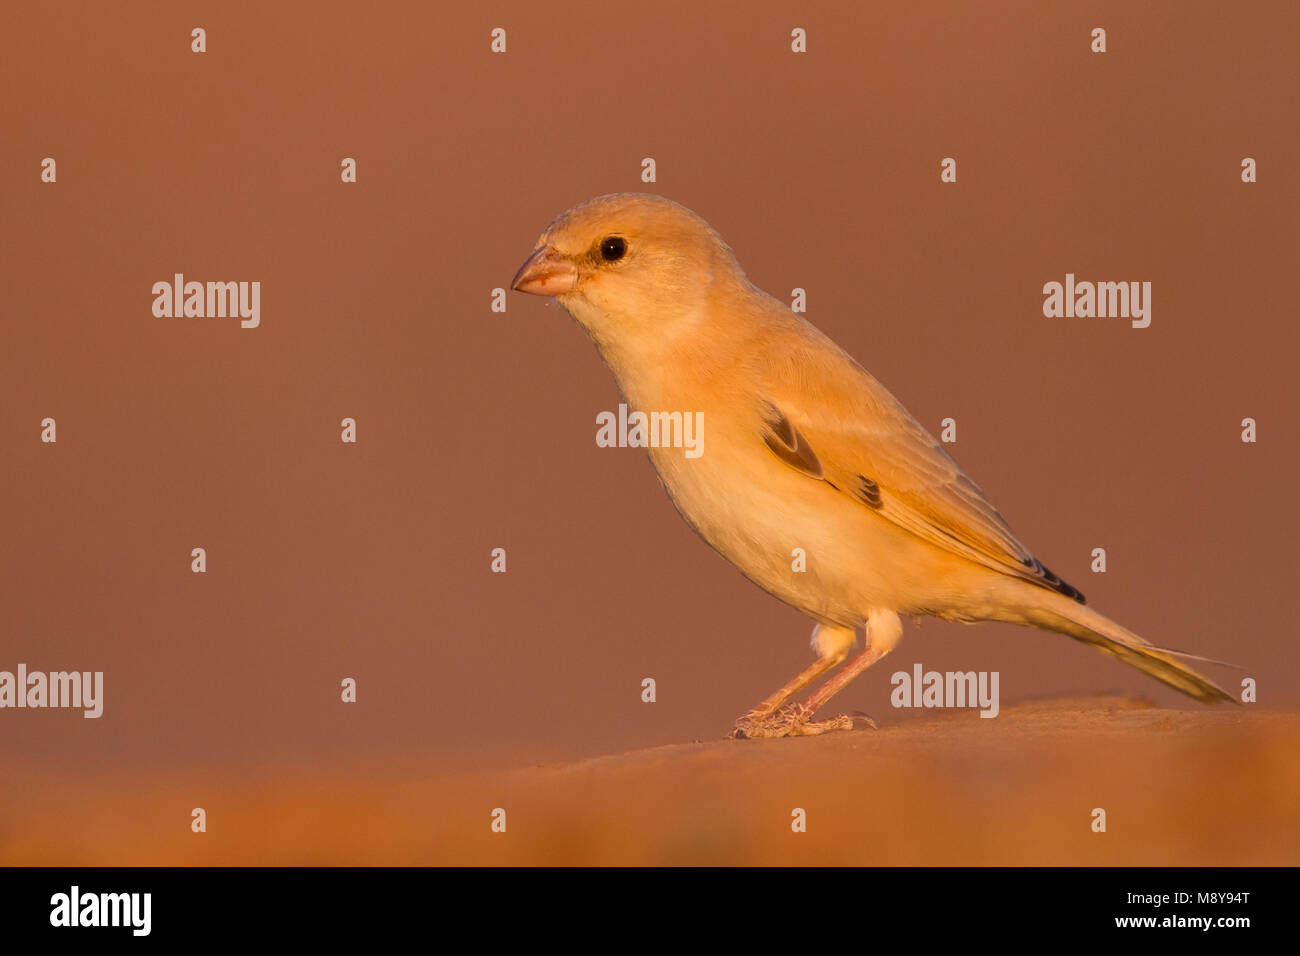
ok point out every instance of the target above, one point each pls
(827, 417)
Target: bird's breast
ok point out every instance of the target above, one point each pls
(794, 536)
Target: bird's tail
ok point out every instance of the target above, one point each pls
(1057, 613)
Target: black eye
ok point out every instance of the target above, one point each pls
(613, 248)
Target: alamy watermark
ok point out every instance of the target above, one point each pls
(198, 300)
(1125, 300)
(76, 908)
(83, 689)
(923, 688)
(626, 429)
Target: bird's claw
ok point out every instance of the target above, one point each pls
(793, 720)
(866, 719)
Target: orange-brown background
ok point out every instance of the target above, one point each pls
(477, 428)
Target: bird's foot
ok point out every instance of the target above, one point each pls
(794, 720)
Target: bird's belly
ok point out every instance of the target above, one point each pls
(796, 537)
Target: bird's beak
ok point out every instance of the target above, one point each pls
(546, 273)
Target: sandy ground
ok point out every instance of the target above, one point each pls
(1207, 787)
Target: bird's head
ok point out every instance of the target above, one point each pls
(630, 266)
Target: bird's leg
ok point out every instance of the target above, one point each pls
(832, 644)
(794, 720)
(771, 704)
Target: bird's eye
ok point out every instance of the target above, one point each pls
(613, 248)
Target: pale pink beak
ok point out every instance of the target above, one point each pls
(546, 273)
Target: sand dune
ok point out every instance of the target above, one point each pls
(1205, 787)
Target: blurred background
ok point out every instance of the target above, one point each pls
(476, 428)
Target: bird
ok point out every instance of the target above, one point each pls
(801, 448)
